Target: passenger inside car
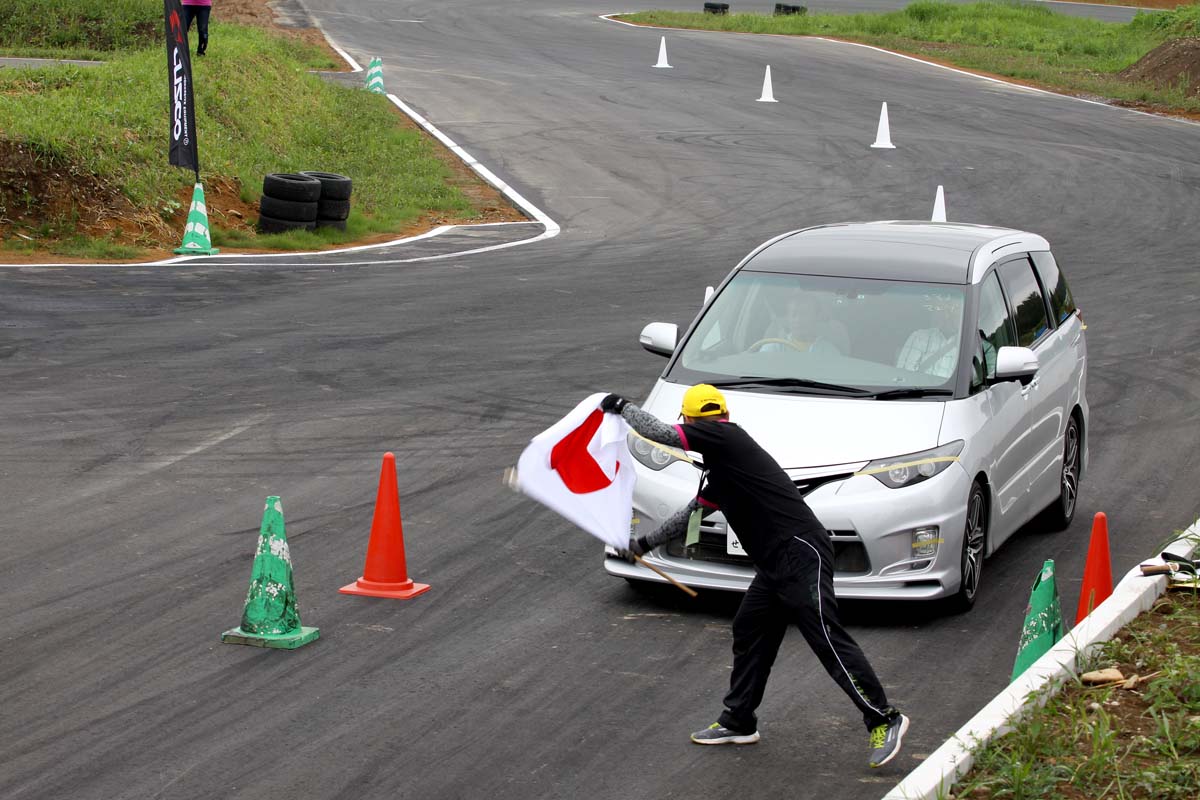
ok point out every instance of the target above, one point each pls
(933, 350)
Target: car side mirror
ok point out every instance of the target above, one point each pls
(660, 337)
(1015, 364)
(708, 293)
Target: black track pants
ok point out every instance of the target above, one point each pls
(801, 593)
(200, 14)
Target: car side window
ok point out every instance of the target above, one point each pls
(995, 330)
(1025, 296)
(1062, 305)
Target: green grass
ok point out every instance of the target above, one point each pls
(89, 29)
(357, 227)
(1022, 41)
(259, 110)
(95, 249)
(1109, 742)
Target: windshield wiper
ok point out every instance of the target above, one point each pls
(901, 394)
(790, 383)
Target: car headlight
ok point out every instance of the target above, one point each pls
(906, 470)
(648, 454)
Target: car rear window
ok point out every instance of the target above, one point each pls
(1061, 302)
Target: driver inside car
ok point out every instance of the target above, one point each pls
(801, 324)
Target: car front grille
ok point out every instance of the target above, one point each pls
(849, 554)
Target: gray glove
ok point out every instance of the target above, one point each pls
(636, 548)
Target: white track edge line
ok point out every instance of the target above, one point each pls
(552, 228)
(1133, 595)
(354, 65)
(1034, 89)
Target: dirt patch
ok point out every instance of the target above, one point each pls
(263, 15)
(1173, 63)
(44, 204)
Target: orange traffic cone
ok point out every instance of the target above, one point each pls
(386, 574)
(1097, 574)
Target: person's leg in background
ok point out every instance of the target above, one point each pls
(202, 14)
(189, 14)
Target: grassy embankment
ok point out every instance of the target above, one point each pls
(1020, 41)
(259, 110)
(1094, 743)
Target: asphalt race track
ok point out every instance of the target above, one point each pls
(147, 412)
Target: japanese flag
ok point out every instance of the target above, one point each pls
(581, 468)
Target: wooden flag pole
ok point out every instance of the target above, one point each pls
(687, 589)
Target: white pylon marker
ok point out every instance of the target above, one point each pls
(939, 206)
(662, 55)
(883, 137)
(768, 95)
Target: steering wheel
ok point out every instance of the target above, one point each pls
(754, 348)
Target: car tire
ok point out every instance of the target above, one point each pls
(333, 186)
(294, 210)
(338, 224)
(292, 186)
(1061, 512)
(332, 209)
(974, 542)
(272, 225)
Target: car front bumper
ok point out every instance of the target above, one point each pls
(859, 512)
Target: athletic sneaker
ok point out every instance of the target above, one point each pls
(715, 734)
(885, 740)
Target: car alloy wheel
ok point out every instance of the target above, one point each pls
(1062, 511)
(974, 538)
(1070, 472)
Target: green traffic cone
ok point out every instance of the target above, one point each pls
(271, 618)
(374, 80)
(1043, 621)
(196, 239)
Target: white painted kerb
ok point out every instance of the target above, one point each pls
(1133, 595)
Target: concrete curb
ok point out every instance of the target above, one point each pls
(1133, 595)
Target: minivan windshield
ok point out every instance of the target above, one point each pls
(827, 335)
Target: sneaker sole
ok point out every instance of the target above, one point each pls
(899, 741)
(748, 739)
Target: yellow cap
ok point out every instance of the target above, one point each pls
(704, 400)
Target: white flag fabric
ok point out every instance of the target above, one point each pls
(581, 468)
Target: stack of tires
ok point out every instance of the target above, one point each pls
(782, 9)
(333, 207)
(303, 200)
(716, 8)
(289, 202)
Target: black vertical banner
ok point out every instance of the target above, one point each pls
(183, 112)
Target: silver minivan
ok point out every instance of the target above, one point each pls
(922, 383)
